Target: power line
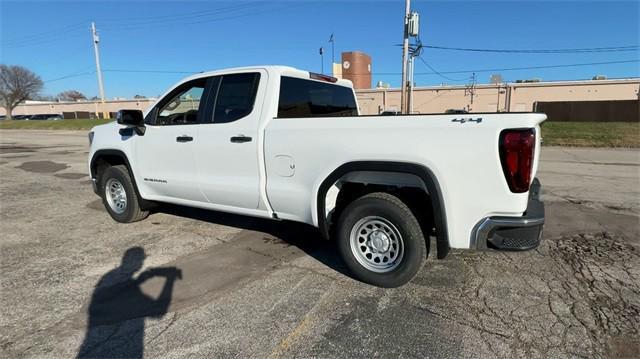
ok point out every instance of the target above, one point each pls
(434, 72)
(183, 16)
(542, 51)
(186, 22)
(77, 74)
(538, 67)
(439, 73)
(55, 37)
(43, 35)
(152, 71)
(61, 34)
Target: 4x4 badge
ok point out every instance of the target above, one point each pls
(463, 120)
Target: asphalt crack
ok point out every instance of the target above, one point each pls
(575, 295)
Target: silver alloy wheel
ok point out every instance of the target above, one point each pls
(116, 196)
(376, 244)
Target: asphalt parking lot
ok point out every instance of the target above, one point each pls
(233, 286)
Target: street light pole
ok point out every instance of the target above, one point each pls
(332, 40)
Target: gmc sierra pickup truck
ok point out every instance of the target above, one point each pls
(286, 144)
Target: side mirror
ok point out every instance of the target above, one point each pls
(132, 118)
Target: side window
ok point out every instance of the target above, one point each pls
(182, 106)
(308, 98)
(235, 97)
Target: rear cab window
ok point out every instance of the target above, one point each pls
(300, 98)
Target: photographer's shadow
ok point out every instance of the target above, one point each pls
(118, 308)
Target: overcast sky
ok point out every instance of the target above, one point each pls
(53, 39)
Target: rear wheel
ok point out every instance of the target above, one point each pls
(380, 240)
(119, 195)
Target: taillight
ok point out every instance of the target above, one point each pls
(517, 148)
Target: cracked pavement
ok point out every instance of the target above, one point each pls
(256, 288)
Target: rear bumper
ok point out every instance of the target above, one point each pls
(512, 233)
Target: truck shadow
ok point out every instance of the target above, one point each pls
(303, 236)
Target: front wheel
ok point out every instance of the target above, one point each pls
(120, 197)
(380, 240)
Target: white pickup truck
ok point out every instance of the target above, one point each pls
(286, 144)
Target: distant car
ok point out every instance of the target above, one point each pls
(454, 110)
(45, 117)
(390, 113)
(21, 117)
(2, 117)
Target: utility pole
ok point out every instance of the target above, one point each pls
(498, 101)
(405, 51)
(471, 91)
(414, 51)
(96, 40)
(410, 64)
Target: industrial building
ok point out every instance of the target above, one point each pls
(79, 109)
(506, 97)
(599, 99)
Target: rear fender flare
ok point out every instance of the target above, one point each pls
(429, 181)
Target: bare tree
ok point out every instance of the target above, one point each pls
(17, 84)
(48, 98)
(71, 95)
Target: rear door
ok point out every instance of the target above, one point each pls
(307, 138)
(227, 146)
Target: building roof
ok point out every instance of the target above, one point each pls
(519, 84)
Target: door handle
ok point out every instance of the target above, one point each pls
(184, 138)
(240, 139)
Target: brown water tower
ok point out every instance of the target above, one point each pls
(356, 66)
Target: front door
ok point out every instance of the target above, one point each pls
(227, 146)
(165, 156)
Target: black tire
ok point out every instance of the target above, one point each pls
(131, 212)
(393, 210)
